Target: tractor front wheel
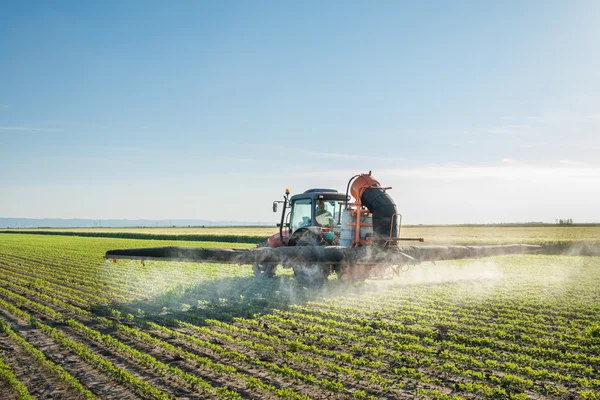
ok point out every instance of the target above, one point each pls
(264, 270)
(311, 274)
(349, 274)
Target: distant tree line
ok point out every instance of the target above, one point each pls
(566, 221)
(149, 236)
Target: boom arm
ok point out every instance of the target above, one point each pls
(321, 254)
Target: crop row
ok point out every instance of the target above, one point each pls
(193, 382)
(7, 375)
(64, 375)
(523, 332)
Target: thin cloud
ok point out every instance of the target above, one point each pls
(565, 116)
(517, 171)
(552, 122)
(329, 155)
(571, 162)
(27, 128)
(336, 155)
(243, 159)
(345, 156)
(535, 143)
(510, 130)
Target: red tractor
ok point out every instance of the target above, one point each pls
(325, 217)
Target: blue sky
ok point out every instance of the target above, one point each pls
(471, 111)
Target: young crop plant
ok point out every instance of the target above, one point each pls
(593, 331)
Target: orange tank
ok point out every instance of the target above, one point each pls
(361, 183)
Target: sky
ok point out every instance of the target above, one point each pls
(473, 112)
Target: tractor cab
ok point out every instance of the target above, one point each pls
(316, 213)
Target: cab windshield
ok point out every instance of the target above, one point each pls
(301, 214)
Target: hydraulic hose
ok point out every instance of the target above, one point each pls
(379, 203)
(384, 212)
(348, 188)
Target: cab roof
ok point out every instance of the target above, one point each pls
(321, 190)
(327, 194)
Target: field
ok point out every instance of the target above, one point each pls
(73, 325)
(448, 234)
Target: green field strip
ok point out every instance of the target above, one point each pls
(412, 347)
(265, 350)
(80, 296)
(207, 362)
(252, 239)
(448, 234)
(397, 341)
(418, 355)
(60, 294)
(419, 362)
(72, 245)
(341, 356)
(146, 337)
(81, 328)
(76, 276)
(132, 290)
(456, 315)
(428, 302)
(523, 333)
(433, 302)
(117, 281)
(73, 277)
(569, 313)
(215, 335)
(331, 365)
(233, 355)
(470, 326)
(363, 375)
(401, 331)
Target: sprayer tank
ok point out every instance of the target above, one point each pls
(348, 232)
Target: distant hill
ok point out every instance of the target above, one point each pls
(116, 223)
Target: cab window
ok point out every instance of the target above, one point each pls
(328, 212)
(301, 214)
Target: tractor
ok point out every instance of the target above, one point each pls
(321, 231)
(325, 217)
